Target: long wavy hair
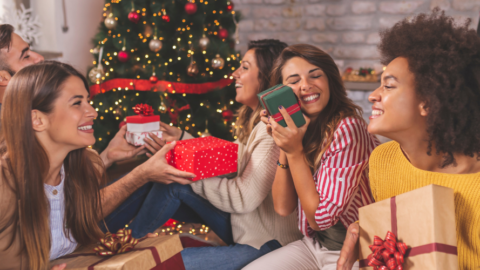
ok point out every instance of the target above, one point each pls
(266, 51)
(319, 134)
(25, 164)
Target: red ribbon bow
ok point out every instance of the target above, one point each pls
(116, 243)
(144, 109)
(388, 254)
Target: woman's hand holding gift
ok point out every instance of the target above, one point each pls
(169, 134)
(289, 139)
(349, 253)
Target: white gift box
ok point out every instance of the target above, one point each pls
(137, 138)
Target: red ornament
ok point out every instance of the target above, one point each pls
(223, 33)
(153, 79)
(123, 56)
(230, 6)
(190, 8)
(227, 115)
(133, 16)
(166, 18)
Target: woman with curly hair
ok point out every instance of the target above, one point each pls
(322, 173)
(429, 105)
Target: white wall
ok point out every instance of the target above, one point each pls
(83, 18)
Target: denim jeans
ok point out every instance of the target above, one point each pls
(231, 257)
(165, 201)
(129, 209)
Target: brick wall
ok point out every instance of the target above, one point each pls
(346, 29)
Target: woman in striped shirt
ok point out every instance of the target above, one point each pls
(322, 165)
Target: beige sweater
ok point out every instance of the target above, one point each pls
(248, 197)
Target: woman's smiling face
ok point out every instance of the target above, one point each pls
(246, 80)
(309, 83)
(397, 111)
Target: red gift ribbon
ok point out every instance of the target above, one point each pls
(144, 109)
(388, 254)
(290, 110)
(409, 252)
(164, 86)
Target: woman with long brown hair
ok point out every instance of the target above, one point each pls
(50, 182)
(239, 205)
(322, 166)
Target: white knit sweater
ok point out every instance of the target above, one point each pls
(248, 196)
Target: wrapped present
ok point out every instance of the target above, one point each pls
(420, 231)
(282, 95)
(144, 121)
(205, 157)
(137, 138)
(148, 253)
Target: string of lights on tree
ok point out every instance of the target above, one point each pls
(182, 51)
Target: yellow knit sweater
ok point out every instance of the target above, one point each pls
(392, 174)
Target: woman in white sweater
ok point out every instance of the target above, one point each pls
(243, 204)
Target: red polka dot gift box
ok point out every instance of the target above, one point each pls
(205, 157)
(140, 125)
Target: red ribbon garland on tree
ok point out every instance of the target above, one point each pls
(388, 254)
(120, 242)
(144, 109)
(163, 86)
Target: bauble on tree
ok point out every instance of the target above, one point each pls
(190, 8)
(133, 16)
(227, 115)
(123, 56)
(222, 33)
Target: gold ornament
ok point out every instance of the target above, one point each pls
(192, 69)
(203, 42)
(218, 62)
(155, 45)
(162, 108)
(96, 73)
(110, 22)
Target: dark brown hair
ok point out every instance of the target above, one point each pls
(266, 51)
(445, 60)
(6, 31)
(24, 165)
(339, 106)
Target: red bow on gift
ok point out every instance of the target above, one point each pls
(144, 109)
(116, 243)
(388, 254)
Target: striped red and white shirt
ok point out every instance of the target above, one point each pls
(342, 177)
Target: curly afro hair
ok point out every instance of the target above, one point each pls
(445, 59)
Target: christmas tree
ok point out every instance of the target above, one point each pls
(175, 55)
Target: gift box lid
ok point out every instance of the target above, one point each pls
(281, 95)
(141, 119)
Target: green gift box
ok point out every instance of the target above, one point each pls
(282, 95)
